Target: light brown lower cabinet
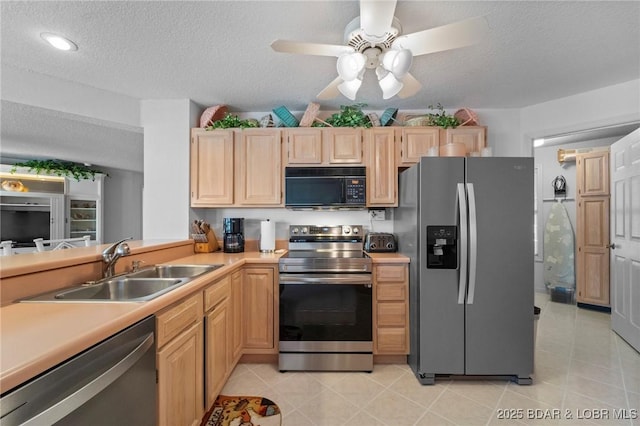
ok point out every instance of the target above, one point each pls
(236, 316)
(217, 320)
(391, 309)
(258, 307)
(179, 331)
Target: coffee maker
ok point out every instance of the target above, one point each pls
(233, 241)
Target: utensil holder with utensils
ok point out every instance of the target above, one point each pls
(204, 237)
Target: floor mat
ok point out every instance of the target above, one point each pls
(242, 410)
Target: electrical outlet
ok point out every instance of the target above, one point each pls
(377, 214)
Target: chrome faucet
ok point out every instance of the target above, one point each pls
(111, 254)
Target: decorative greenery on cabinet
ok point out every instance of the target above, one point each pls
(58, 168)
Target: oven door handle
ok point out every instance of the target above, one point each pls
(324, 279)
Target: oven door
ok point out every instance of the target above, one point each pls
(326, 313)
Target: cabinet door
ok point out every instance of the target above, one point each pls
(473, 137)
(211, 168)
(84, 217)
(592, 263)
(303, 146)
(592, 172)
(180, 372)
(382, 174)
(415, 143)
(236, 316)
(391, 318)
(217, 350)
(344, 145)
(258, 308)
(259, 167)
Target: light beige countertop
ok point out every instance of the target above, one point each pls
(37, 336)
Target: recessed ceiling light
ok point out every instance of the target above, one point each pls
(59, 42)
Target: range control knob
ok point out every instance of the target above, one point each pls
(294, 230)
(305, 230)
(346, 230)
(356, 230)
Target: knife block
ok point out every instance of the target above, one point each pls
(210, 246)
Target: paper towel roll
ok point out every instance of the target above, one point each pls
(267, 236)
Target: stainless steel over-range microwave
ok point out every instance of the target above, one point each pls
(325, 187)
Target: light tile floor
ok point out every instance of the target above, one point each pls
(584, 373)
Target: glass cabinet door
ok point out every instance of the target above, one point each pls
(83, 218)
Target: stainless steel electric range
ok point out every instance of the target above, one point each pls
(325, 300)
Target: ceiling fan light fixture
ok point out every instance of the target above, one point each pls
(390, 86)
(350, 65)
(350, 88)
(59, 42)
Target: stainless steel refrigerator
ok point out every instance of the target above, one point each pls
(467, 226)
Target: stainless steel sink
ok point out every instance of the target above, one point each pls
(122, 289)
(137, 286)
(174, 271)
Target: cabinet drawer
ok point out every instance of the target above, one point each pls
(391, 273)
(393, 291)
(216, 293)
(171, 321)
(392, 341)
(392, 314)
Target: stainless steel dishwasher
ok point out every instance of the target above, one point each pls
(111, 383)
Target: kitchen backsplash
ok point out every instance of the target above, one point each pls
(284, 217)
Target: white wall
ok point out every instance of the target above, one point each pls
(122, 205)
(610, 105)
(43, 91)
(166, 198)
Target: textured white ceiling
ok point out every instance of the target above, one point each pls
(217, 52)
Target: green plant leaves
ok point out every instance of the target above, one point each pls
(58, 168)
(441, 119)
(349, 116)
(232, 121)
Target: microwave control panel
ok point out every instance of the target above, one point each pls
(355, 190)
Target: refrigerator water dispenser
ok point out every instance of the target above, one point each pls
(442, 247)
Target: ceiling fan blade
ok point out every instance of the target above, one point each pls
(451, 36)
(376, 16)
(331, 91)
(410, 88)
(304, 48)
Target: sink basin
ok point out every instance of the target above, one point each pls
(174, 271)
(121, 289)
(139, 286)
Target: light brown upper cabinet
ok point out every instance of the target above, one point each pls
(211, 168)
(336, 146)
(414, 142)
(473, 137)
(592, 170)
(592, 229)
(258, 167)
(382, 174)
(235, 167)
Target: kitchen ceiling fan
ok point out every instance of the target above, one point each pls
(373, 40)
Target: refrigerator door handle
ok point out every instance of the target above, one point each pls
(462, 205)
(473, 243)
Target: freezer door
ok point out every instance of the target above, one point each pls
(441, 333)
(499, 310)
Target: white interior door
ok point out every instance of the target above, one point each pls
(625, 238)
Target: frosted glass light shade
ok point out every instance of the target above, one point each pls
(397, 61)
(350, 88)
(390, 86)
(350, 65)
